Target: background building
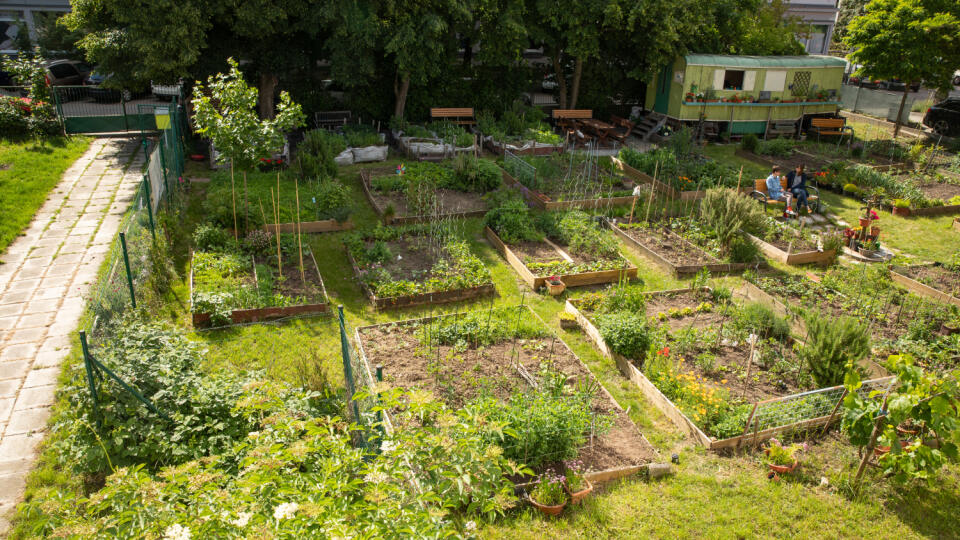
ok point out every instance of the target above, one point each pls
(15, 14)
(822, 15)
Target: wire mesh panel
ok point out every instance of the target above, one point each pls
(111, 294)
(524, 172)
(359, 383)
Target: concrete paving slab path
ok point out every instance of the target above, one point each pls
(41, 297)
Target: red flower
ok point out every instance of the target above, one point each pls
(664, 351)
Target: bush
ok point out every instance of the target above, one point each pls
(334, 201)
(476, 175)
(761, 320)
(14, 118)
(742, 250)
(209, 237)
(833, 345)
(727, 212)
(776, 147)
(512, 222)
(315, 155)
(258, 242)
(626, 333)
(749, 142)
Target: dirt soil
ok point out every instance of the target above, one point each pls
(670, 246)
(663, 303)
(938, 277)
(416, 258)
(292, 285)
(535, 252)
(729, 373)
(448, 202)
(457, 377)
(796, 244)
(937, 190)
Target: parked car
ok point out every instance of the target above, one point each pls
(67, 72)
(898, 85)
(944, 117)
(94, 83)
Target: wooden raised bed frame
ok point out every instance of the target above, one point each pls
(671, 411)
(916, 287)
(365, 177)
(663, 188)
(419, 299)
(544, 150)
(322, 226)
(240, 316)
(544, 202)
(596, 477)
(681, 270)
(792, 257)
(570, 280)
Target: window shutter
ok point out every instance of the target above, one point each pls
(718, 79)
(749, 78)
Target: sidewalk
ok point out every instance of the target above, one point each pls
(46, 275)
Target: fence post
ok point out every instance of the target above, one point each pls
(347, 367)
(126, 264)
(163, 171)
(89, 369)
(145, 185)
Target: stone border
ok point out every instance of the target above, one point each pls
(595, 477)
(570, 280)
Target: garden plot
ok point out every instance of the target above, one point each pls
(715, 368)
(416, 265)
(233, 283)
(435, 142)
(571, 180)
(421, 192)
(507, 362)
(787, 245)
(520, 130)
(570, 246)
(940, 282)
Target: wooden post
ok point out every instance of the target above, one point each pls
(296, 187)
(653, 187)
(872, 444)
(832, 414)
(233, 193)
(753, 346)
(746, 427)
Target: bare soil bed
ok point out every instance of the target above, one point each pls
(939, 190)
(670, 246)
(448, 201)
(941, 278)
(456, 376)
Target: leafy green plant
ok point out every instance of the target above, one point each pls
(583, 235)
(316, 153)
(511, 220)
(334, 201)
(760, 319)
(626, 333)
(776, 147)
(361, 135)
(549, 490)
(210, 237)
(833, 346)
(749, 142)
(778, 454)
(421, 196)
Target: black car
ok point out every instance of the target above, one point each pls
(944, 117)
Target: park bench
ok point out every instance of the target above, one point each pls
(567, 118)
(462, 116)
(331, 119)
(763, 197)
(622, 130)
(831, 126)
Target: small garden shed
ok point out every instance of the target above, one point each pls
(746, 94)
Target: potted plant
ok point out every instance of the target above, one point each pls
(689, 96)
(576, 485)
(710, 95)
(901, 207)
(782, 459)
(554, 286)
(568, 321)
(870, 249)
(548, 495)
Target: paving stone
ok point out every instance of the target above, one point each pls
(31, 398)
(28, 421)
(41, 377)
(26, 273)
(6, 407)
(16, 297)
(19, 351)
(41, 306)
(9, 387)
(15, 369)
(18, 448)
(11, 309)
(50, 292)
(46, 251)
(24, 284)
(26, 335)
(55, 281)
(49, 358)
(61, 270)
(56, 343)
(68, 258)
(7, 323)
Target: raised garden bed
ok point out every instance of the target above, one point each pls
(671, 251)
(934, 281)
(441, 192)
(484, 357)
(521, 147)
(234, 289)
(547, 253)
(793, 251)
(435, 142)
(745, 393)
(416, 265)
(563, 182)
(662, 188)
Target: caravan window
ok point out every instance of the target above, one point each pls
(733, 79)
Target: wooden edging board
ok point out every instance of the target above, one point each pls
(680, 270)
(542, 150)
(365, 177)
(667, 407)
(544, 202)
(661, 187)
(595, 477)
(792, 257)
(419, 299)
(570, 280)
(915, 286)
(324, 225)
(240, 316)
(944, 210)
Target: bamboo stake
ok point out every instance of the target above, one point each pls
(739, 177)
(296, 187)
(233, 192)
(246, 206)
(277, 217)
(277, 225)
(653, 187)
(276, 229)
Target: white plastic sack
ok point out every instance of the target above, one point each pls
(422, 146)
(369, 153)
(344, 158)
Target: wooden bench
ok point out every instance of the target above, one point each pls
(462, 116)
(566, 120)
(622, 131)
(331, 119)
(763, 197)
(831, 126)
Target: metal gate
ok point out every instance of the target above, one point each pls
(88, 109)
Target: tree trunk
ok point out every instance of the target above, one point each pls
(268, 88)
(903, 100)
(561, 80)
(575, 90)
(400, 93)
(467, 52)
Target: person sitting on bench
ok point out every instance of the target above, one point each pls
(775, 189)
(797, 183)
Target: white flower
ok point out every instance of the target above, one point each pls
(470, 526)
(253, 434)
(285, 510)
(399, 257)
(177, 532)
(376, 477)
(242, 519)
(824, 482)
(752, 338)
(388, 446)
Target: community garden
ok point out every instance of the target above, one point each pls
(479, 345)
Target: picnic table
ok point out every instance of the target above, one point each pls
(597, 126)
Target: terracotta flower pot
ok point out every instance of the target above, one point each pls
(555, 288)
(881, 450)
(575, 498)
(546, 509)
(783, 469)
(864, 222)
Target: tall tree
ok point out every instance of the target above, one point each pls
(910, 40)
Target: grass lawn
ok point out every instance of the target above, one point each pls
(710, 496)
(28, 172)
(724, 153)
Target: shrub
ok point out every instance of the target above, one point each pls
(742, 250)
(258, 242)
(315, 155)
(472, 174)
(727, 212)
(626, 333)
(209, 237)
(761, 320)
(776, 147)
(749, 142)
(14, 118)
(833, 346)
(512, 222)
(334, 201)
